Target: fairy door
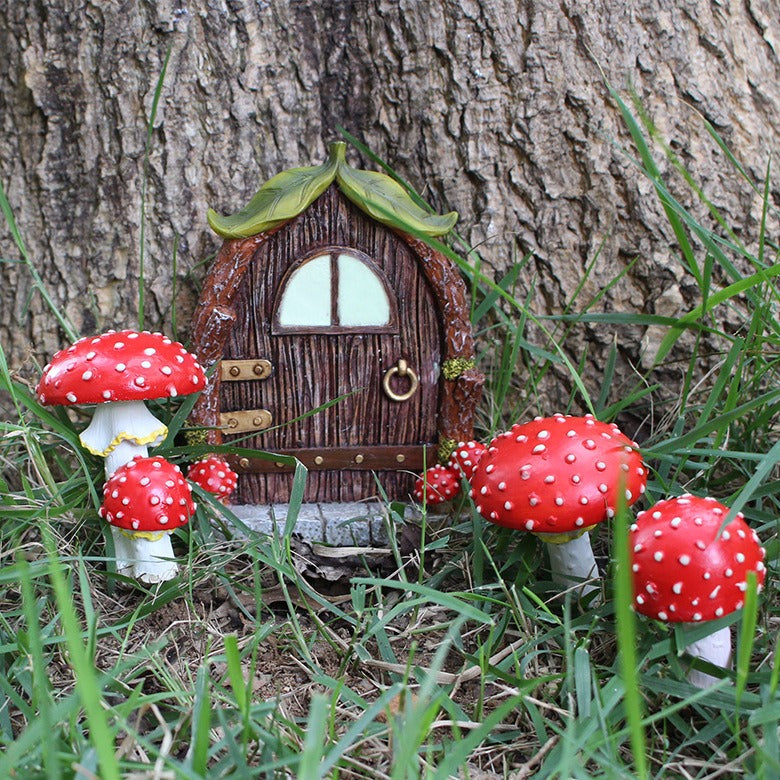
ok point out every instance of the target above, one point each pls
(334, 357)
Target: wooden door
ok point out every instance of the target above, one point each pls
(308, 305)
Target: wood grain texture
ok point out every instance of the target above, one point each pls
(314, 370)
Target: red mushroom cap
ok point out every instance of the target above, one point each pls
(147, 495)
(437, 485)
(120, 366)
(682, 571)
(557, 474)
(465, 457)
(214, 475)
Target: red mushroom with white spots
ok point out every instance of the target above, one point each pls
(437, 485)
(558, 477)
(118, 371)
(144, 501)
(465, 457)
(685, 570)
(214, 475)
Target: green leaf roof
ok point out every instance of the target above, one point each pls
(291, 192)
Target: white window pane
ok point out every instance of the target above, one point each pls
(362, 298)
(306, 298)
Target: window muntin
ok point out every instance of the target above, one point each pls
(335, 290)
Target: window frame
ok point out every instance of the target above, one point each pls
(334, 250)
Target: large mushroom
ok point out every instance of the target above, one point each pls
(558, 477)
(118, 371)
(686, 570)
(144, 501)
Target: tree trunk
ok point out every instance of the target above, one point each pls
(495, 108)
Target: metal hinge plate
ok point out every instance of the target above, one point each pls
(245, 420)
(243, 370)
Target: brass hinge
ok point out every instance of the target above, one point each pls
(243, 370)
(245, 420)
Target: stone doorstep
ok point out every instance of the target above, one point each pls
(342, 525)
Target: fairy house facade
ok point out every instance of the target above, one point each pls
(336, 337)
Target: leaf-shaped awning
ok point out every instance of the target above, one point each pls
(289, 193)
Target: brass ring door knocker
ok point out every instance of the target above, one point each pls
(402, 370)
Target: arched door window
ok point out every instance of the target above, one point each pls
(335, 290)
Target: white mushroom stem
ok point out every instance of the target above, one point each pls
(572, 564)
(121, 421)
(147, 560)
(715, 649)
(123, 453)
(119, 432)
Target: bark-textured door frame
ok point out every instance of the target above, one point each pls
(221, 305)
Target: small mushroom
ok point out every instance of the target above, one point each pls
(437, 485)
(558, 477)
(144, 501)
(465, 457)
(118, 371)
(214, 475)
(685, 570)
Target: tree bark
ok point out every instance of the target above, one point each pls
(495, 108)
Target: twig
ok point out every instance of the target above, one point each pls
(530, 765)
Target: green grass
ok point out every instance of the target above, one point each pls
(468, 666)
